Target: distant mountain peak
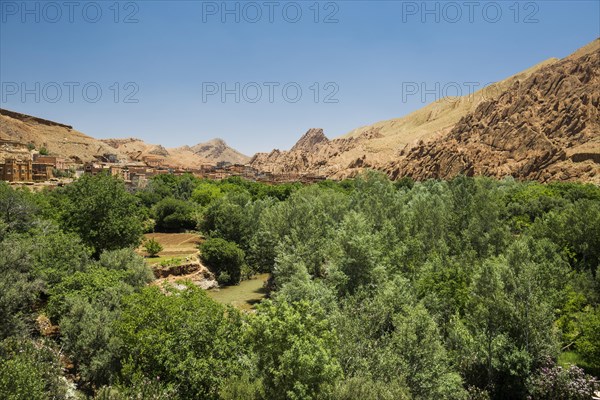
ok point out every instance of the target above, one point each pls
(541, 123)
(218, 141)
(310, 139)
(216, 150)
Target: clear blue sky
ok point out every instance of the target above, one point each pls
(177, 50)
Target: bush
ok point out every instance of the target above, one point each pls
(225, 259)
(174, 215)
(29, 371)
(554, 382)
(152, 247)
(184, 337)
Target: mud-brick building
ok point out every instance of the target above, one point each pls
(42, 172)
(56, 162)
(14, 170)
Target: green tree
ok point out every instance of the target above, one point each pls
(99, 284)
(29, 371)
(102, 212)
(19, 286)
(56, 254)
(206, 193)
(423, 360)
(17, 209)
(588, 344)
(174, 215)
(365, 388)
(225, 259)
(152, 247)
(228, 217)
(88, 336)
(576, 230)
(360, 256)
(131, 264)
(183, 337)
(296, 350)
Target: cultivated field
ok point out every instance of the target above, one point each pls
(175, 246)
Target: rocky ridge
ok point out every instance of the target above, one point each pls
(62, 140)
(545, 127)
(542, 123)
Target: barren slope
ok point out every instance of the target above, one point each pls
(62, 140)
(59, 139)
(546, 127)
(216, 150)
(374, 146)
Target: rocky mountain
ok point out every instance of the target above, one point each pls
(211, 152)
(62, 140)
(545, 127)
(58, 139)
(539, 124)
(216, 150)
(316, 154)
(376, 145)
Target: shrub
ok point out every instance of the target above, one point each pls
(555, 382)
(174, 215)
(153, 247)
(225, 259)
(29, 370)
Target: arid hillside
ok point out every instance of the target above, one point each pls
(58, 139)
(551, 104)
(211, 152)
(62, 140)
(217, 150)
(545, 127)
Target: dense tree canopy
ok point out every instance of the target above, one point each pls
(465, 289)
(101, 211)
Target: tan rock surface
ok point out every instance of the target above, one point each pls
(540, 124)
(545, 127)
(64, 141)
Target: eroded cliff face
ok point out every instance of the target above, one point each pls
(546, 128)
(542, 124)
(314, 153)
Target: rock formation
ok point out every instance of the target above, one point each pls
(546, 127)
(543, 123)
(216, 150)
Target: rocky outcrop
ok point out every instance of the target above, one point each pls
(315, 154)
(29, 118)
(217, 150)
(310, 141)
(193, 272)
(546, 127)
(543, 124)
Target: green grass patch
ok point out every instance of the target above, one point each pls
(568, 358)
(168, 261)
